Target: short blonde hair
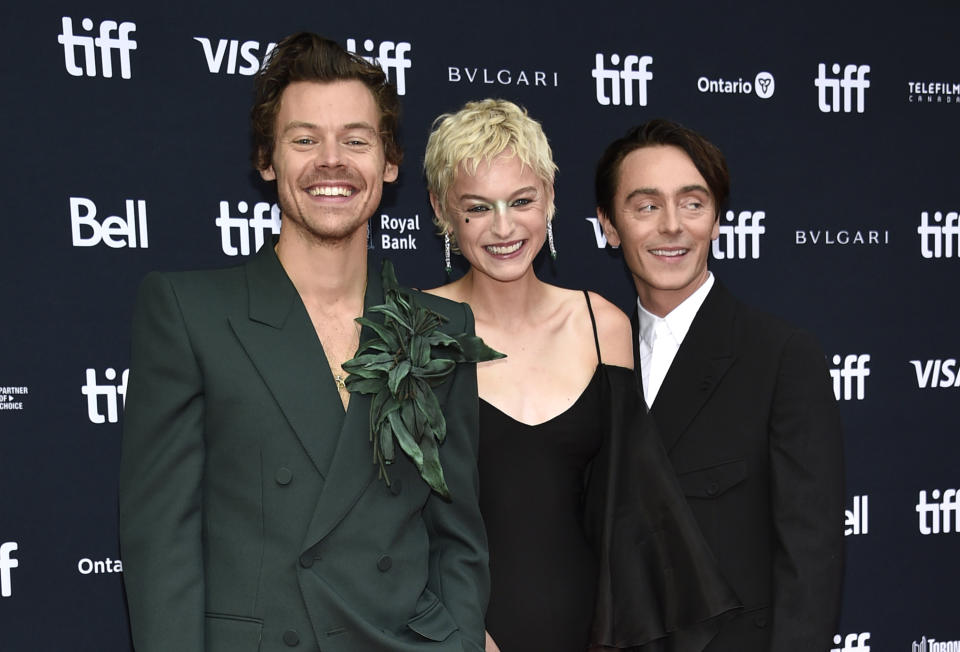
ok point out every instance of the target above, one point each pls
(478, 132)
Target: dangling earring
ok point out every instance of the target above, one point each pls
(446, 252)
(553, 249)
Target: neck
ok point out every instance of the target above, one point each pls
(325, 274)
(505, 302)
(662, 302)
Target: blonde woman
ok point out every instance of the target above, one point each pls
(544, 408)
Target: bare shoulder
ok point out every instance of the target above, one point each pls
(614, 331)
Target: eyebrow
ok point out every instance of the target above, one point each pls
(694, 187)
(300, 124)
(519, 191)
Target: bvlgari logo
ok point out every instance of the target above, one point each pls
(500, 76)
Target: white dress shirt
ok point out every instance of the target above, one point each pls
(661, 337)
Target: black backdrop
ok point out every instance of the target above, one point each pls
(843, 220)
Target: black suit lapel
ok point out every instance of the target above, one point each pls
(706, 354)
(283, 345)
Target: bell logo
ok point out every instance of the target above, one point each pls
(114, 231)
(857, 519)
(88, 45)
(6, 563)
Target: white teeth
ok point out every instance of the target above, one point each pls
(501, 251)
(669, 253)
(330, 191)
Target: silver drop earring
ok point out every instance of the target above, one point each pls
(553, 249)
(446, 252)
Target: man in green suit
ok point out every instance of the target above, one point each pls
(251, 514)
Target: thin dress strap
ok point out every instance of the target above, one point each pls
(593, 321)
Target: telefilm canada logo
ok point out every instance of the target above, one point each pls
(12, 397)
(933, 92)
(82, 47)
(625, 81)
(930, 644)
(763, 85)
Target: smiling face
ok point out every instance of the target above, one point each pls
(328, 159)
(664, 218)
(498, 215)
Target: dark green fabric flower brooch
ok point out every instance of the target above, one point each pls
(400, 365)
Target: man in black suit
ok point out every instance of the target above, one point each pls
(742, 400)
(252, 518)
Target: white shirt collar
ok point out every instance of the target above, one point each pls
(679, 319)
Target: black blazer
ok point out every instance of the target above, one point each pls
(251, 515)
(749, 420)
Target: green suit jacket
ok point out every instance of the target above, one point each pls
(251, 515)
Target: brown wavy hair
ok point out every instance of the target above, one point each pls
(305, 56)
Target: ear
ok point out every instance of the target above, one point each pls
(715, 233)
(437, 208)
(390, 172)
(609, 230)
(267, 173)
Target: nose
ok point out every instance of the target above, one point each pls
(669, 220)
(328, 153)
(502, 225)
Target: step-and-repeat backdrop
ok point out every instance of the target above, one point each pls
(125, 141)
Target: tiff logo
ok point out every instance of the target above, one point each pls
(93, 391)
(264, 217)
(734, 237)
(6, 563)
(248, 51)
(830, 87)
(390, 57)
(857, 520)
(934, 517)
(850, 380)
(114, 231)
(851, 643)
(941, 238)
(634, 70)
(107, 43)
(936, 373)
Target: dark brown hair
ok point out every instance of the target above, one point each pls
(707, 158)
(309, 57)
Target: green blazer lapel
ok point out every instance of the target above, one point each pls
(703, 359)
(351, 467)
(283, 345)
